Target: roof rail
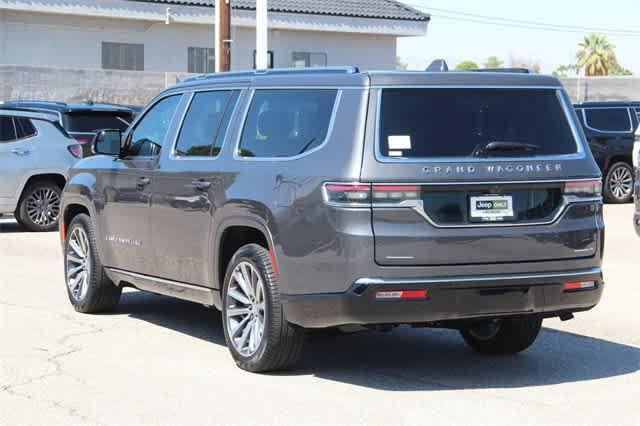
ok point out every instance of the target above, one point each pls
(504, 70)
(273, 71)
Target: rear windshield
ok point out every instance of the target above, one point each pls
(91, 121)
(422, 123)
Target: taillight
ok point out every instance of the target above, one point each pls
(636, 148)
(75, 150)
(591, 187)
(83, 139)
(350, 194)
(395, 194)
(579, 285)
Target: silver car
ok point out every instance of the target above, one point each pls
(35, 155)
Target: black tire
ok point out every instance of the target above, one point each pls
(623, 194)
(513, 335)
(22, 214)
(281, 344)
(101, 293)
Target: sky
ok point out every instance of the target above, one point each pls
(456, 40)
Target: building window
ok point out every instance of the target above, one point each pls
(269, 59)
(122, 56)
(201, 60)
(308, 59)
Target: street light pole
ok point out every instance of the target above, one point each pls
(223, 35)
(261, 35)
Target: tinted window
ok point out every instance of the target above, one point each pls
(203, 129)
(92, 121)
(283, 123)
(25, 128)
(609, 119)
(201, 60)
(149, 135)
(7, 129)
(123, 56)
(418, 123)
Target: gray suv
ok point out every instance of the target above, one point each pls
(294, 200)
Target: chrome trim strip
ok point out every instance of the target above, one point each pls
(586, 123)
(480, 278)
(579, 154)
(327, 138)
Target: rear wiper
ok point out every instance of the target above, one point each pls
(505, 149)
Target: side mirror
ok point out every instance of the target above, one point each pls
(107, 142)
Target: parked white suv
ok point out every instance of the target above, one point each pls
(35, 154)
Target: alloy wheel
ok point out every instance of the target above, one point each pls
(78, 263)
(43, 206)
(621, 182)
(245, 309)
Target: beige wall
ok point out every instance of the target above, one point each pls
(69, 41)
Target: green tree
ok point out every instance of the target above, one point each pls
(618, 69)
(565, 70)
(466, 66)
(493, 62)
(596, 55)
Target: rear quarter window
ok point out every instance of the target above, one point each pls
(92, 121)
(452, 122)
(25, 128)
(286, 123)
(608, 119)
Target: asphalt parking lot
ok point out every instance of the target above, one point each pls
(162, 361)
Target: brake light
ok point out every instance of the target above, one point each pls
(578, 285)
(395, 193)
(75, 150)
(348, 193)
(83, 139)
(592, 187)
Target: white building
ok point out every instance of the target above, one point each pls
(178, 35)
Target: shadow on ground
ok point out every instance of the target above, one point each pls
(8, 226)
(413, 359)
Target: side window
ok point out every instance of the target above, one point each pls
(204, 126)
(608, 119)
(286, 123)
(24, 128)
(150, 132)
(7, 129)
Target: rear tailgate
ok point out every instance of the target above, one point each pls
(442, 196)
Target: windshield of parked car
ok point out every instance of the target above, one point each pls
(473, 122)
(91, 121)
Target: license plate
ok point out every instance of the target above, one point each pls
(491, 208)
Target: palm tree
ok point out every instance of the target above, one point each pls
(596, 55)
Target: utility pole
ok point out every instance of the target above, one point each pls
(261, 35)
(223, 35)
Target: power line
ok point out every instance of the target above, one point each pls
(517, 23)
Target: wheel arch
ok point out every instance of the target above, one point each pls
(232, 234)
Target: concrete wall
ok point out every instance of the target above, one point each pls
(47, 40)
(603, 88)
(67, 84)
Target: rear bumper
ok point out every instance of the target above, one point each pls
(450, 299)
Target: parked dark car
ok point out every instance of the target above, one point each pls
(295, 200)
(609, 127)
(82, 120)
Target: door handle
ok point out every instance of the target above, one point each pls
(143, 181)
(201, 184)
(20, 151)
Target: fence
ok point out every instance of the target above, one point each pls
(137, 88)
